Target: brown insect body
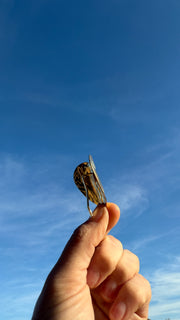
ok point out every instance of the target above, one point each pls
(87, 181)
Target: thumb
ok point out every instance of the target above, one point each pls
(81, 246)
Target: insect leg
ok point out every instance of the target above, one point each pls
(82, 178)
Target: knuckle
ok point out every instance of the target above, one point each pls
(107, 264)
(149, 291)
(136, 262)
(142, 291)
(108, 253)
(133, 260)
(81, 232)
(106, 261)
(139, 296)
(116, 243)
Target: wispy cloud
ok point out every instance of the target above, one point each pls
(35, 205)
(128, 196)
(19, 306)
(165, 284)
(155, 179)
(144, 242)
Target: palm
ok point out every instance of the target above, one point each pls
(86, 304)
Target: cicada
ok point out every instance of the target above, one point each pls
(87, 181)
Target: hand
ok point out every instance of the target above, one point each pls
(95, 279)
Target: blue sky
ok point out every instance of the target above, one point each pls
(80, 78)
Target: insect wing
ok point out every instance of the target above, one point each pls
(98, 186)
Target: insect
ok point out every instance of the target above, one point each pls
(87, 181)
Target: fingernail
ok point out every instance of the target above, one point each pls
(92, 278)
(118, 311)
(109, 289)
(98, 213)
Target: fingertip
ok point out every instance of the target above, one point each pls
(113, 207)
(114, 214)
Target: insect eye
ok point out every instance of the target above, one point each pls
(87, 181)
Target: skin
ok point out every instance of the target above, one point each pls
(95, 279)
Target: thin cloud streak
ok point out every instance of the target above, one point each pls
(149, 181)
(23, 304)
(131, 198)
(32, 215)
(165, 284)
(143, 243)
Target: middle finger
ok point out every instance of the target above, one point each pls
(125, 270)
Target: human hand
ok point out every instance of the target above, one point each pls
(95, 279)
